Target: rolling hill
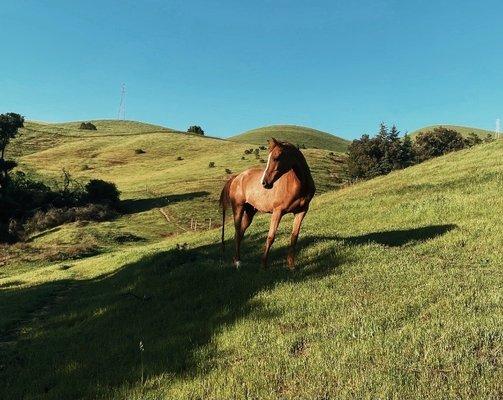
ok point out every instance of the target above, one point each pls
(397, 292)
(165, 190)
(464, 130)
(301, 135)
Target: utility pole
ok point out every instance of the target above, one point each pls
(122, 105)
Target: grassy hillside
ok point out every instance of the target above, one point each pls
(397, 295)
(464, 130)
(301, 135)
(151, 182)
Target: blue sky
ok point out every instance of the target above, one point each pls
(230, 66)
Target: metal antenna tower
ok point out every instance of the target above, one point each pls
(497, 132)
(122, 105)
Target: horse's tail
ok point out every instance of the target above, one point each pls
(225, 200)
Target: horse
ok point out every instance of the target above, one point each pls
(284, 186)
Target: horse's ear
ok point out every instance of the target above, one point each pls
(273, 142)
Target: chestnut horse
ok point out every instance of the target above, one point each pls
(285, 186)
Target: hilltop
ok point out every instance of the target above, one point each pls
(463, 130)
(397, 294)
(311, 138)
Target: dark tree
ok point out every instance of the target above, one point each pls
(195, 129)
(370, 157)
(437, 142)
(9, 126)
(472, 139)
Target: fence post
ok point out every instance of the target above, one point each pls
(209, 225)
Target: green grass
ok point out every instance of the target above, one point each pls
(464, 130)
(301, 135)
(397, 295)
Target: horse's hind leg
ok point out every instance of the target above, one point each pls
(249, 213)
(275, 219)
(238, 211)
(297, 222)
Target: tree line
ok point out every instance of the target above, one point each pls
(369, 157)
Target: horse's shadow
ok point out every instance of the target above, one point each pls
(172, 301)
(390, 238)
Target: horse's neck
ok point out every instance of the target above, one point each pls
(303, 173)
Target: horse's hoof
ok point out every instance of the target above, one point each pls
(237, 264)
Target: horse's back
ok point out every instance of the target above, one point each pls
(247, 188)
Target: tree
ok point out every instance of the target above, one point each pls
(9, 126)
(472, 139)
(195, 129)
(370, 157)
(437, 142)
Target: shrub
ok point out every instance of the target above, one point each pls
(437, 142)
(472, 140)
(263, 148)
(43, 220)
(89, 126)
(179, 158)
(489, 138)
(248, 151)
(243, 158)
(262, 160)
(139, 151)
(256, 151)
(102, 192)
(195, 129)
(211, 164)
(228, 171)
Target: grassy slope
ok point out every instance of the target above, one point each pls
(464, 130)
(397, 295)
(185, 189)
(311, 138)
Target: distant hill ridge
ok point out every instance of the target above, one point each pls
(301, 135)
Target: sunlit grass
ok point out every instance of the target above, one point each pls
(397, 295)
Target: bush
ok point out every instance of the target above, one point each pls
(211, 164)
(437, 142)
(102, 192)
(263, 148)
(139, 151)
(228, 171)
(489, 138)
(43, 220)
(248, 151)
(179, 158)
(195, 129)
(243, 158)
(472, 140)
(88, 126)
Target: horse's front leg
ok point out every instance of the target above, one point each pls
(275, 219)
(297, 222)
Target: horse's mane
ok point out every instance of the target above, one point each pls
(305, 170)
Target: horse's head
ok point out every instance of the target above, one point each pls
(280, 161)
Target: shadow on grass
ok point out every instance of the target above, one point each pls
(173, 301)
(392, 238)
(133, 206)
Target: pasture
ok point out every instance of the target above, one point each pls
(397, 292)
